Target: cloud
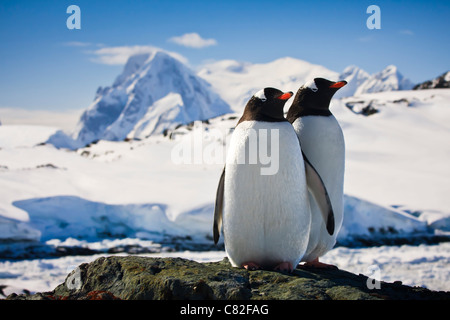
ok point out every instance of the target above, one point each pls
(365, 39)
(77, 44)
(406, 32)
(193, 40)
(119, 55)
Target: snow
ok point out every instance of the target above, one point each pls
(154, 92)
(23, 135)
(447, 76)
(355, 77)
(375, 220)
(166, 113)
(237, 81)
(422, 265)
(399, 155)
(386, 80)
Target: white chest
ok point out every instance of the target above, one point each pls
(266, 212)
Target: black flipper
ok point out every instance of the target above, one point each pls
(319, 191)
(218, 209)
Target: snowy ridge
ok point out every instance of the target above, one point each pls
(355, 77)
(237, 81)
(388, 79)
(360, 82)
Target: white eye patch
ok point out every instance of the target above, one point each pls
(260, 95)
(312, 85)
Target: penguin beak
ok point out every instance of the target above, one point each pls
(286, 96)
(338, 84)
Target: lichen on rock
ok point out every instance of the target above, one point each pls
(144, 278)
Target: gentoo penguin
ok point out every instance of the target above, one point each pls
(322, 142)
(265, 213)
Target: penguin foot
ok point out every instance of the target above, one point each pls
(251, 266)
(319, 265)
(284, 267)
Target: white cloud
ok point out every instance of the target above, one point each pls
(119, 55)
(77, 44)
(365, 39)
(406, 32)
(193, 40)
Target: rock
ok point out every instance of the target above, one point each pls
(441, 82)
(139, 278)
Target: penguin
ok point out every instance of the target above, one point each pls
(322, 142)
(265, 215)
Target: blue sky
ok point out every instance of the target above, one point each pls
(44, 65)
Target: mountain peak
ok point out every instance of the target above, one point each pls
(355, 77)
(389, 79)
(151, 84)
(391, 69)
(133, 64)
(237, 81)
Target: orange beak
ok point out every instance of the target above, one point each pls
(338, 84)
(286, 96)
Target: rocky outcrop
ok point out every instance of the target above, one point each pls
(139, 278)
(441, 82)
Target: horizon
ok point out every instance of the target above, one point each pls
(47, 66)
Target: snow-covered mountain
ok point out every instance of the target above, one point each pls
(443, 81)
(237, 81)
(154, 92)
(355, 77)
(389, 79)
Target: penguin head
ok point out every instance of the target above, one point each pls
(314, 97)
(266, 105)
